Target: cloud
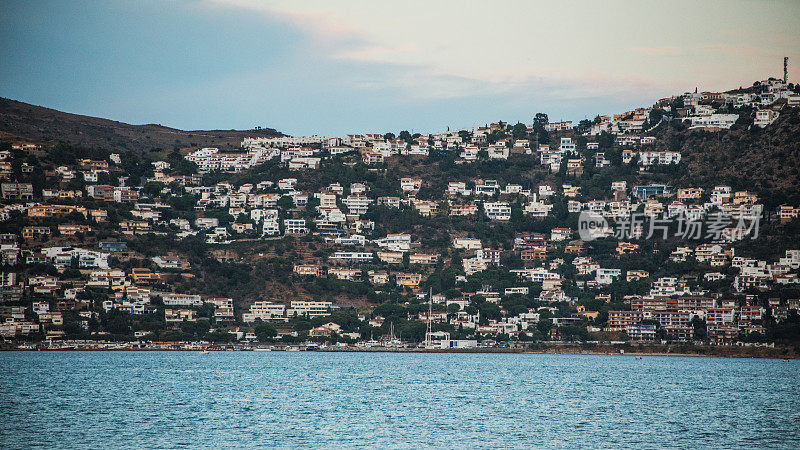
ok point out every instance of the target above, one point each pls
(739, 50)
(360, 65)
(323, 25)
(448, 50)
(669, 50)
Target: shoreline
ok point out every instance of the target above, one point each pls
(755, 353)
(761, 352)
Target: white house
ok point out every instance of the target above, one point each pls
(606, 276)
(497, 210)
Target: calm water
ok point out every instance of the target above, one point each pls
(278, 399)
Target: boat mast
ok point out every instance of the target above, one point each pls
(430, 318)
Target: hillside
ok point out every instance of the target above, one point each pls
(762, 160)
(500, 223)
(27, 122)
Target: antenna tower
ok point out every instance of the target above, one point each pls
(785, 69)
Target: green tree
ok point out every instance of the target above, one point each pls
(519, 131)
(265, 331)
(699, 325)
(544, 326)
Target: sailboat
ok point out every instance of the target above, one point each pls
(393, 341)
(428, 344)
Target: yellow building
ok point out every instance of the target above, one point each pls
(570, 190)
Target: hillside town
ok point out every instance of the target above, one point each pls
(499, 235)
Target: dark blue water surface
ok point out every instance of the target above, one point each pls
(279, 399)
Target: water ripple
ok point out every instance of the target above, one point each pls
(352, 400)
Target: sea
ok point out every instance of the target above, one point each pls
(74, 399)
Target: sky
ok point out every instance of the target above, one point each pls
(335, 67)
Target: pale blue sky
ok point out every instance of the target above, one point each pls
(330, 67)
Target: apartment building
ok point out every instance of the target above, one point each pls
(309, 309)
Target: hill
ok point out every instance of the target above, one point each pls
(22, 121)
(764, 160)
